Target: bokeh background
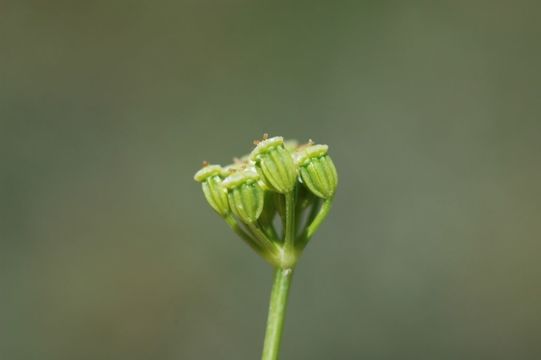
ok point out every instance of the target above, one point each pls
(108, 249)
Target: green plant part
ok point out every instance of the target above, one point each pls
(278, 180)
(275, 164)
(245, 195)
(211, 177)
(317, 170)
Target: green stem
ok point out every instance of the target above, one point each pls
(314, 225)
(269, 230)
(230, 220)
(314, 210)
(323, 212)
(277, 311)
(268, 246)
(289, 241)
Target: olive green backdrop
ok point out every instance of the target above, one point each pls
(108, 249)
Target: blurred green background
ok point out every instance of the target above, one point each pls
(108, 249)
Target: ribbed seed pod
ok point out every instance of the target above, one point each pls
(245, 195)
(275, 164)
(211, 179)
(317, 171)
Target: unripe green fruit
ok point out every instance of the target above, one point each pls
(245, 195)
(317, 170)
(275, 165)
(210, 178)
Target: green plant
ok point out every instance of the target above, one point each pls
(278, 180)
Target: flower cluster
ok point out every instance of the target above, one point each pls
(277, 181)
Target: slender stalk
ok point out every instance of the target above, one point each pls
(264, 241)
(290, 222)
(314, 210)
(314, 225)
(277, 311)
(269, 230)
(282, 282)
(230, 220)
(323, 212)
